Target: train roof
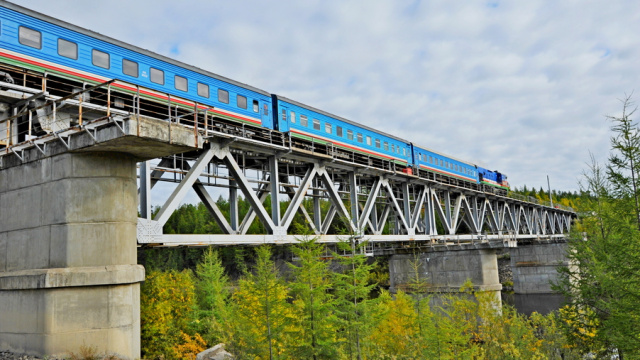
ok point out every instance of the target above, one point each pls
(445, 155)
(123, 44)
(341, 119)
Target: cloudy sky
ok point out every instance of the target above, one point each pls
(518, 86)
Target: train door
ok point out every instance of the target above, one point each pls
(283, 118)
(267, 120)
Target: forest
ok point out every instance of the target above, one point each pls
(305, 302)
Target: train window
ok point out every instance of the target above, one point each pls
(266, 109)
(368, 140)
(304, 121)
(404, 152)
(256, 108)
(223, 96)
(284, 115)
(68, 49)
(349, 134)
(181, 83)
(292, 115)
(327, 128)
(129, 67)
(100, 59)
(30, 37)
(203, 90)
(156, 76)
(241, 100)
(339, 131)
(386, 146)
(316, 124)
(393, 148)
(378, 143)
(359, 137)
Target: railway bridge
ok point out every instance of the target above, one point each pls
(81, 163)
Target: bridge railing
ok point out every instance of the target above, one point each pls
(531, 199)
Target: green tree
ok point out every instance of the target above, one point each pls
(313, 301)
(603, 278)
(263, 316)
(212, 293)
(624, 163)
(352, 290)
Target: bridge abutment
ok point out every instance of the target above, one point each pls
(447, 271)
(68, 269)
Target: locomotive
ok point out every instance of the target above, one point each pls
(40, 43)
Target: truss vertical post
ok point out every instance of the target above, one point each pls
(447, 205)
(353, 196)
(317, 212)
(274, 183)
(374, 219)
(233, 205)
(145, 190)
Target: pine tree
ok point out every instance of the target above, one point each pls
(603, 279)
(314, 302)
(353, 291)
(213, 298)
(263, 316)
(624, 164)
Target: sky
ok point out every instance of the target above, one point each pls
(523, 87)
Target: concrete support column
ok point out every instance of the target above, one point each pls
(447, 271)
(68, 272)
(534, 267)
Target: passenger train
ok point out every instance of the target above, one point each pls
(40, 43)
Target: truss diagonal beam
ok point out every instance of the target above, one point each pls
(370, 203)
(296, 201)
(418, 206)
(246, 189)
(213, 208)
(184, 186)
(251, 214)
(394, 203)
(383, 219)
(335, 198)
(304, 212)
(328, 219)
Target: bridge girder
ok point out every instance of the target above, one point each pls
(375, 205)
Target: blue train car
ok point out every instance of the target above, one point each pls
(31, 40)
(35, 41)
(493, 178)
(429, 160)
(308, 123)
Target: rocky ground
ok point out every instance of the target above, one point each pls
(5, 355)
(505, 275)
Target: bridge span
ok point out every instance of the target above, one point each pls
(80, 164)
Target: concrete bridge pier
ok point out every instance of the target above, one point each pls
(446, 271)
(68, 272)
(535, 267)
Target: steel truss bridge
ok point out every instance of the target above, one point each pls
(367, 198)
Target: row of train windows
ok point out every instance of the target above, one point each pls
(328, 128)
(445, 164)
(69, 49)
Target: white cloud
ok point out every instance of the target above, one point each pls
(522, 87)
